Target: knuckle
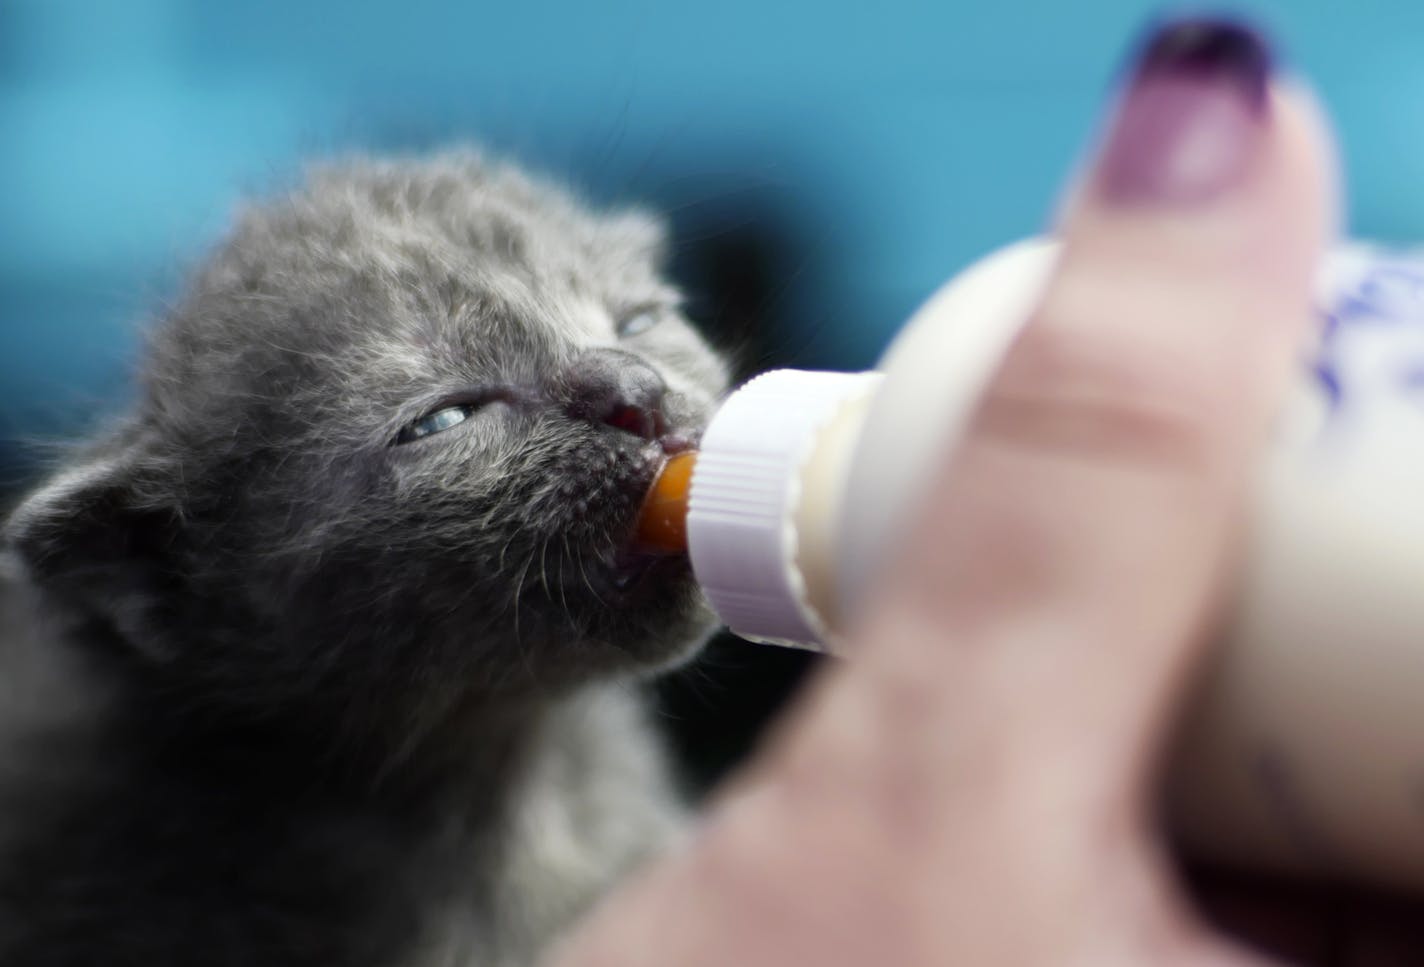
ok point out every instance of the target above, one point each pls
(1094, 394)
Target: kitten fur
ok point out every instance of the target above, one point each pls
(280, 683)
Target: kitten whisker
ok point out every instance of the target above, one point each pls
(564, 555)
(518, 591)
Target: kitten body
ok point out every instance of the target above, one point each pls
(327, 652)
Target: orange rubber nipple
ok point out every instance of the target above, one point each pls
(662, 525)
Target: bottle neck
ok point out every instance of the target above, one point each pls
(818, 512)
(762, 509)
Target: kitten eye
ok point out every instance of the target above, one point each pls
(639, 321)
(435, 422)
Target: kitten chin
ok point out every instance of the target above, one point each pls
(344, 612)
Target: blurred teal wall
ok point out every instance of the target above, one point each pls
(888, 143)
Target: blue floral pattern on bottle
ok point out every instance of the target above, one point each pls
(1372, 337)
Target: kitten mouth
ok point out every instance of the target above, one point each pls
(629, 568)
(635, 568)
(672, 444)
(635, 575)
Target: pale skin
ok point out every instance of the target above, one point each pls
(977, 786)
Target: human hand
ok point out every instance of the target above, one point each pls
(976, 786)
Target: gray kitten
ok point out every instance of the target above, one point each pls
(326, 653)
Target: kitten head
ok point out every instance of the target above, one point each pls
(389, 452)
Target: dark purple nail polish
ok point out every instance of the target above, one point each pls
(1192, 117)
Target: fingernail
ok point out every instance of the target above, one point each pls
(1192, 117)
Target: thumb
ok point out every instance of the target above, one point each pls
(1058, 581)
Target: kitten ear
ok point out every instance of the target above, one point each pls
(92, 541)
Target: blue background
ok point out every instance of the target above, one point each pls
(880, 145)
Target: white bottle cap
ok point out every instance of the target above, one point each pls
(746, 487)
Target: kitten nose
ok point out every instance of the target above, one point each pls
(617, 388)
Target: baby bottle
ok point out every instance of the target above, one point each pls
(1303, 747)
